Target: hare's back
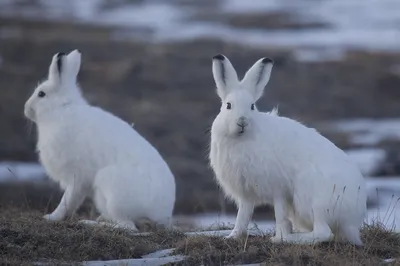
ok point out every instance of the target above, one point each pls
(98, 136)
(297, 146)
(111, 130)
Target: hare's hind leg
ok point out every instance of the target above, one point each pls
(129, 225)
(351, 234)
(111, 197)
(101, 205)
(101, 218)
(122, 224)
(321, 232)
(116, 216)
(298, 224)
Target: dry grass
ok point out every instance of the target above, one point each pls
(25, 237)
(379, 244)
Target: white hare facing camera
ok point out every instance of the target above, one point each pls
(92, 153)
(262, 158)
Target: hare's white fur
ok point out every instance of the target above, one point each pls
(92, 153)
(263, 158)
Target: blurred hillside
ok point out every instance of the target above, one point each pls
(167, 89)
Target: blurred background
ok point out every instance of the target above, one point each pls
(337, 68)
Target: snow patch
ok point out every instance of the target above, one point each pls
(368, 132)
(18, 171)
(367, 159)
(368, 24)
(314, 55)
(137, 262)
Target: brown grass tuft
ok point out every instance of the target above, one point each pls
(27, 237)
(379, 244)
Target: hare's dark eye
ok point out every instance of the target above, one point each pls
(228, 106)
(41, 94)
(252, 106)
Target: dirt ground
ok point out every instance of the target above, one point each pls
(25, 238)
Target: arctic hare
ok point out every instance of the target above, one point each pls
(92, 153)
(263, 158)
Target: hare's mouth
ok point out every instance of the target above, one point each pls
(242, 127)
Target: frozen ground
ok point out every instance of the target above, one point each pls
(368, 24)
(368, 132)
(18, 171)
(368, 159)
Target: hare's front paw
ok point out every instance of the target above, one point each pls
(235, 234)
(277, 239)
(53, 217)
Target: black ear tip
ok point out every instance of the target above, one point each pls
(219, 57)
(59, 63)
(79, 51)
(267, 60)
(61, 54)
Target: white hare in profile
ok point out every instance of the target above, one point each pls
(262, 158)
(92, 153)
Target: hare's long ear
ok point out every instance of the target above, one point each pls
(73, 66)
(64, 68)
(257, 77)
(56, 66)
(225, 75)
